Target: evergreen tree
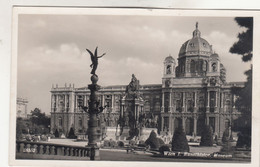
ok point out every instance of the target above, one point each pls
(179, 141)
(56, 134)
(244, 101)
(206, 136)
(71, 134)
(153, 141)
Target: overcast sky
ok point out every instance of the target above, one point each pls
(52, 49)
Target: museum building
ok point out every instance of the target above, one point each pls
(194, 92)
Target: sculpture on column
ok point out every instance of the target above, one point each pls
(94, 59)
(94, 107)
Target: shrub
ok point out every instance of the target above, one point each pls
(141, 142)
(57, 134)
(43, 138)
(225, 137)
(35, 138)
(179, 141)
(227, 148)
(153, 141)
(71, 134)
(164, 148)
(244, 138)
(28, 137)
(120, 144)
(112, 143)
(20, 137)
(132, 142)
(206, 137)
(161, 142)
(106, 143)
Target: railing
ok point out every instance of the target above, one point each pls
(38, 150)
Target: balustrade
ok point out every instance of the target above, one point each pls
(54, 150)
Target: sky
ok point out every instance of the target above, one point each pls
(52, 49)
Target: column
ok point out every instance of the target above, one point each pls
(52, 103)
(195, 126)
(195, 99)
(103, 100)
(183, 122)
(162, 109)
(208, 98)
(233, 100)
(85, 100)
(112, 102)
(162, 123)
(173, 128)
(183, 102)
(222, 100)
(76, 103)
(65, 102)
(170, 102)
(207, 120)
(216, 99)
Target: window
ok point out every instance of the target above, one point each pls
(168, 69)
(178, 105)
(204, 68)
(80, 122)
(60, 121)
(190, 106)
(214, 67)
(228, 106)
(192, 66)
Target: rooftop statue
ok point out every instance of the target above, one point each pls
(94, 59)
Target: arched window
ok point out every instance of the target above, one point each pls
(168, 69)
(178, 105)
(201, 105)
(157, 106)
(228, 106)
(214, 67)
(190, 106)
(80, 122)
(205, 65)
(59, 121)
(192, 66)
(147, 106)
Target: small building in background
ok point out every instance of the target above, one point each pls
(21, 107)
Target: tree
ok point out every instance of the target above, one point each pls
(57, 134)
(71, 134)
(39, 121)
(153, 141)
(244, 44)
(244, 101)
(179, 141)
(206, 136)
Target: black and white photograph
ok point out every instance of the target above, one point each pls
(132, 85)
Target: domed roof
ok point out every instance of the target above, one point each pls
(169, 59)
(214, 56)
(196, 45)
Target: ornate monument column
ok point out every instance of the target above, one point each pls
(94, 109)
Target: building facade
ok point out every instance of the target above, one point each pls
(21, 108)
(194, 92)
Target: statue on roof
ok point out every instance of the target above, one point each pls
(94, 59)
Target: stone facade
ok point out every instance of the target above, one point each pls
(21, 108)
(192, 94)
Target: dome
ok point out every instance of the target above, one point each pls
(196, 45)
(214, 56)
(169, 59)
